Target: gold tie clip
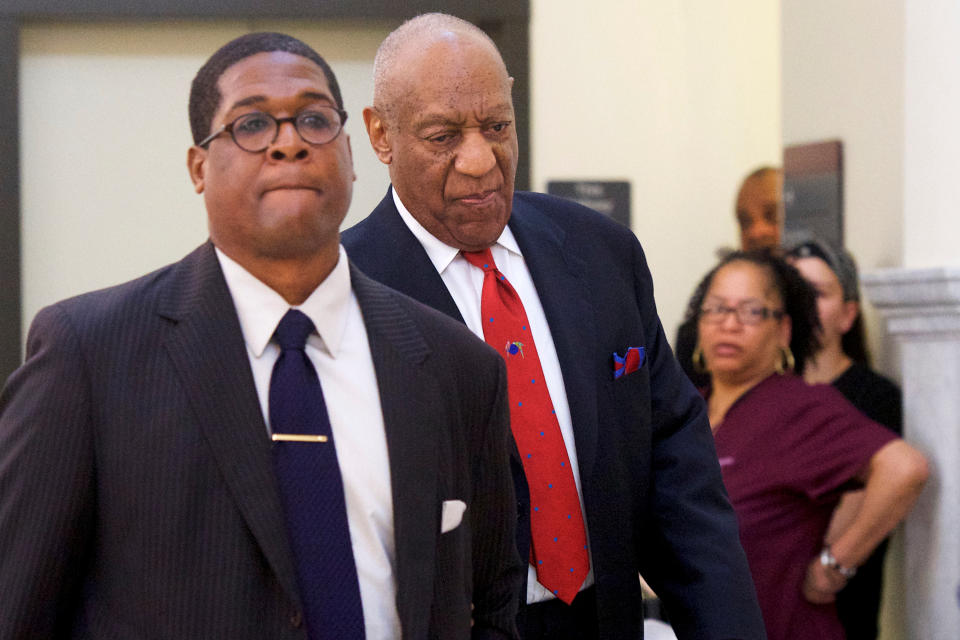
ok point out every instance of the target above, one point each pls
(297, 437)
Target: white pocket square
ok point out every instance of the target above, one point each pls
(452, 514)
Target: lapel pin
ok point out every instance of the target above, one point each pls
(513, 348)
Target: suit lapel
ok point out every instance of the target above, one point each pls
(409, 403)
(206, 346)
(565, 296)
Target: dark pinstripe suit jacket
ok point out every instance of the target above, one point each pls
(137, 495)
(652, 489)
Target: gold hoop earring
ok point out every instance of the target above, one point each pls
(786, 362)
(699, 363)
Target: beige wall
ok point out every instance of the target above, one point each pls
(843, 77)
(931, 223)
(681, 98)
(105, 190)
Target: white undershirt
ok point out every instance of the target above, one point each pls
(465, 284)
(340, 353)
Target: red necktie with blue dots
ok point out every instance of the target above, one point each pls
(559, 543)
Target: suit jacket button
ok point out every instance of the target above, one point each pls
(296, 619)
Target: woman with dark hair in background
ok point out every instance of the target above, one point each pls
(842, 360)
(789, 450)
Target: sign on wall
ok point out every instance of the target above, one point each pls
(611, 198)
(813, 190)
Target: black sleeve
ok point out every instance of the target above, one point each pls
(874, 395)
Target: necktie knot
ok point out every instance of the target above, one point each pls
(293, 330)
(481, 259)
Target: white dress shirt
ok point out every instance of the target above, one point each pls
(465, 284)
(340, 352)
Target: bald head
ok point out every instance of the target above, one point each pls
(443, 122)
(759, 209)
(396, 67)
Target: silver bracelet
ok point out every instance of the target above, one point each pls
(827, 560)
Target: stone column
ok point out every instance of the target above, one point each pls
(922, 312)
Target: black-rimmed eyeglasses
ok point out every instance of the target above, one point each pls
(745, 312)
(256, 131)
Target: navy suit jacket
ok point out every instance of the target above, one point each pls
(137, 491)
(651, 483)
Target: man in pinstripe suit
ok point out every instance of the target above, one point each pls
(138, 496)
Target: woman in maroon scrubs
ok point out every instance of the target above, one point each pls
(789, 450)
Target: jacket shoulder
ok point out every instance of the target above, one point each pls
(116, 300)
(580, 224)
(126, 303)
(565, 211)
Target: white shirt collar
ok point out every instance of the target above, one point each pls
(441, 254)
(260, 308)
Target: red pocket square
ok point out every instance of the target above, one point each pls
(628, 363)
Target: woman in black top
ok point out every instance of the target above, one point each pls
(843, 362)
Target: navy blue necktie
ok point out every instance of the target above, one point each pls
(311, 489)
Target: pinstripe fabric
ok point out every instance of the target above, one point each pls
(137, 498)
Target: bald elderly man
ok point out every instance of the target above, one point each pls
(614, 464)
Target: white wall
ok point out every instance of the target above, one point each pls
(932, 133)
(680, 97)
(843, 77)
(105, 190)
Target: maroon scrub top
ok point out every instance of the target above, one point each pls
(788, 450)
